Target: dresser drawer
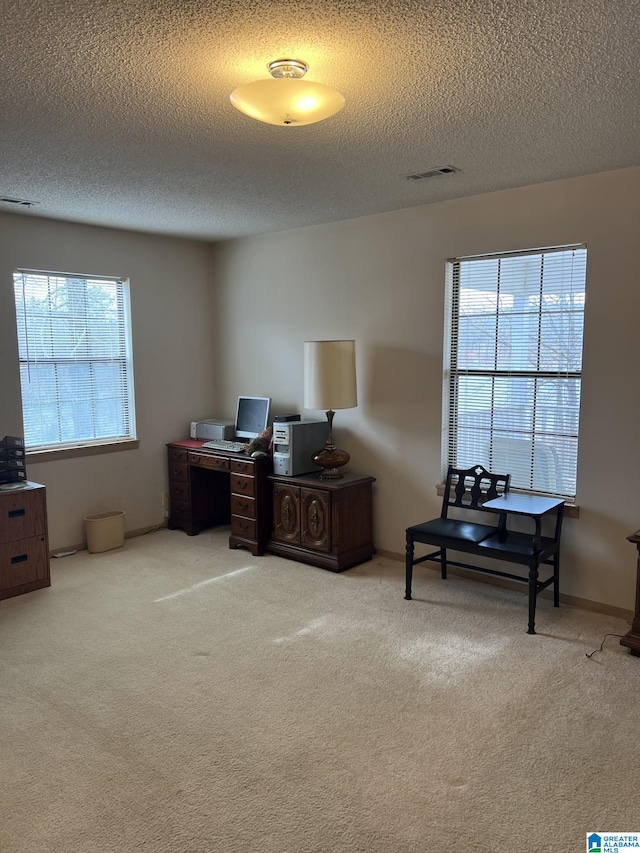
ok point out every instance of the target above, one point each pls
(243, 527)
(219, 463)
(241, 485)
(23, 561)
(241, 505)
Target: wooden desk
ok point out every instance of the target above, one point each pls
(632, 638)
(210, 487)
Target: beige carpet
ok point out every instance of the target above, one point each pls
(174, 695)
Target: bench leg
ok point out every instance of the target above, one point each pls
(533, 592)
(556, 580)
(408, 566)
(443, 563)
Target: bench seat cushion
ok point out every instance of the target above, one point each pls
(445, 529)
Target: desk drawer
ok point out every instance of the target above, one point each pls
(243, 527)
(179, 491)
(180, 512)
(241, 505)
(241, 485)
(219, 463)
(177, 455)
(178, 471)
(242, 466)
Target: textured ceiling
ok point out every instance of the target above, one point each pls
(117, 112)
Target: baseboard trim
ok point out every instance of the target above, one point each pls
(572, 600)
(129, 534)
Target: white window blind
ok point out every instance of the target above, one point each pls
(74, 345)
(514, 366)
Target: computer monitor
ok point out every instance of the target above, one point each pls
(252, 416)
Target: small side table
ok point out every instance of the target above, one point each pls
(537, 550)
(632, 639)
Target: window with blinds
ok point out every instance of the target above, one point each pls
(513, 365)
(76, 372)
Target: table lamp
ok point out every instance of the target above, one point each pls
(330, 383)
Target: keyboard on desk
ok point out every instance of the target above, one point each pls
(223, 444)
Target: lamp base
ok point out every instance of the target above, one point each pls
(331, 460)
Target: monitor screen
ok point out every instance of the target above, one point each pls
(252, 416)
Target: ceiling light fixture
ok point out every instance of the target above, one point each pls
(286, 99)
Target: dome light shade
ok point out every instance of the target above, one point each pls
(285, 99)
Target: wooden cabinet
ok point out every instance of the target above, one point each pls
(632, 638)
(326, 523)
(212, 487)
(24, 545)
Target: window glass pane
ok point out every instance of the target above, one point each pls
(39, 408)
(561, 347)
(477, 341)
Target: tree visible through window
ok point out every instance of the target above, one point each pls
(513, 365)
(74, 346)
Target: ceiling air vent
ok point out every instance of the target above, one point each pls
(22, 202)
(432, 173)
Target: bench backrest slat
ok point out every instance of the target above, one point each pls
(469, 488)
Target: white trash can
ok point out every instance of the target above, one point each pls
(104, 531)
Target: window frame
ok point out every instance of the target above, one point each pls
(452, 373)
(25, 324)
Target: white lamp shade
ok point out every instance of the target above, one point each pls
(330, 375)
(286, 101)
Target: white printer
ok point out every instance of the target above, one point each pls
(212, 429)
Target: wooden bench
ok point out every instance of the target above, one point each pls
(473, 520)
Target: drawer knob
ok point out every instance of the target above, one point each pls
(16, 513)
(21, 558)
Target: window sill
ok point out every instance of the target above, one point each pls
(571, 510)
(83, 450)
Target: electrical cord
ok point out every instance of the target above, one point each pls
(591, 654)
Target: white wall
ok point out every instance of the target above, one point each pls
(380, 280)
(173, 362)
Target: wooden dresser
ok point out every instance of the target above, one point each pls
(326, 523)
(24, 544)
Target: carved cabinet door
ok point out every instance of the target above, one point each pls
(315, 512)
(286, 513)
